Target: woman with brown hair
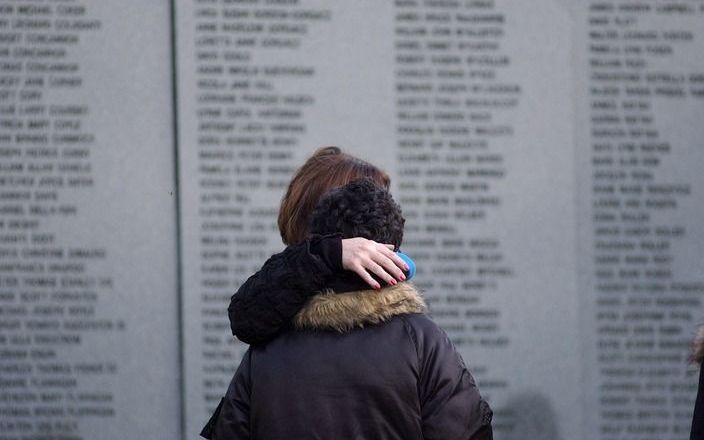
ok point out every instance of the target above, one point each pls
(269, 299)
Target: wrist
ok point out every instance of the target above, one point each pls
(329, 249)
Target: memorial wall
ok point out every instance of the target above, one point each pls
(546, 155)
(88, 279)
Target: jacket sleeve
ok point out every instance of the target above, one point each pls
(232, 422)
(270, 298)
(451, 406)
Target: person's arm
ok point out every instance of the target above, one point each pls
(451, 406)
(270, 298)
(232, 422)
(267, 301)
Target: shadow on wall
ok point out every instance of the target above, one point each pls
(534, 418)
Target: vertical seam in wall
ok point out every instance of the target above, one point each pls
(580, 223)
(177, 195)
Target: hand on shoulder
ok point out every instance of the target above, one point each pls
(366, 257)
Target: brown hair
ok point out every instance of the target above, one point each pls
(326, 169)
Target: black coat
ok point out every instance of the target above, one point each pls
(698, 418)
(358, 365)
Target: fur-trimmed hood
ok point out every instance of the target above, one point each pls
(344, 311)
(698, 346)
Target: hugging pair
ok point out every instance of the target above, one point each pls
(355, 362)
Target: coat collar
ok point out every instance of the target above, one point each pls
(344, 311)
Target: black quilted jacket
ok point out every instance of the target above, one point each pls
(359, 365)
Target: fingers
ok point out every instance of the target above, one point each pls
(387, 266)
(359, 270)
(379, 271)
(393, 264)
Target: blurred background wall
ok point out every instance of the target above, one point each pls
(547, 156)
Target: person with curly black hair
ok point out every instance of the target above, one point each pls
(356, 362)
(359, 209)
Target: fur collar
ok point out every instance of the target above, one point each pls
(344, 311)
(698, 346)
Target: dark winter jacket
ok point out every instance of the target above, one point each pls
(267, 302)
(359, 365)
(698, 358)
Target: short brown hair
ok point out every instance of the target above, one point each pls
(327, 168)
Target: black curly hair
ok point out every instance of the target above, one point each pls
(359, 209)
